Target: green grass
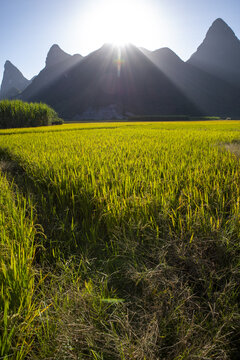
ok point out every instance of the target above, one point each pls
(140, 253)
(19, 304)
(19, 114)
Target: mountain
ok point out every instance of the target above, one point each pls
(170, 64)
(219, 54)
(58, 63)
(210, 79)
(119, 78)
(112, 82)
(165, 59)
(55, 56)
(13, 81)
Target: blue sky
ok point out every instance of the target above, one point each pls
(28, 28)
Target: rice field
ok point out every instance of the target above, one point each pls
(120, 241)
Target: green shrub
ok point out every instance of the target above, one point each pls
(58, 122)
(16, 114)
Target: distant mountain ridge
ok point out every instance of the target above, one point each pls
(94, 83)
(13, 81)
(115, 81)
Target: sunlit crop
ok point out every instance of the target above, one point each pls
(148, 216)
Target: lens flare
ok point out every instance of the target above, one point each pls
(119, 61)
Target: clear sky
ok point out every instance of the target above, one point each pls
(28, 28)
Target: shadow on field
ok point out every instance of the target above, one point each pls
(141, 292)
(70, 223)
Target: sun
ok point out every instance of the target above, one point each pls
(120, 22)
